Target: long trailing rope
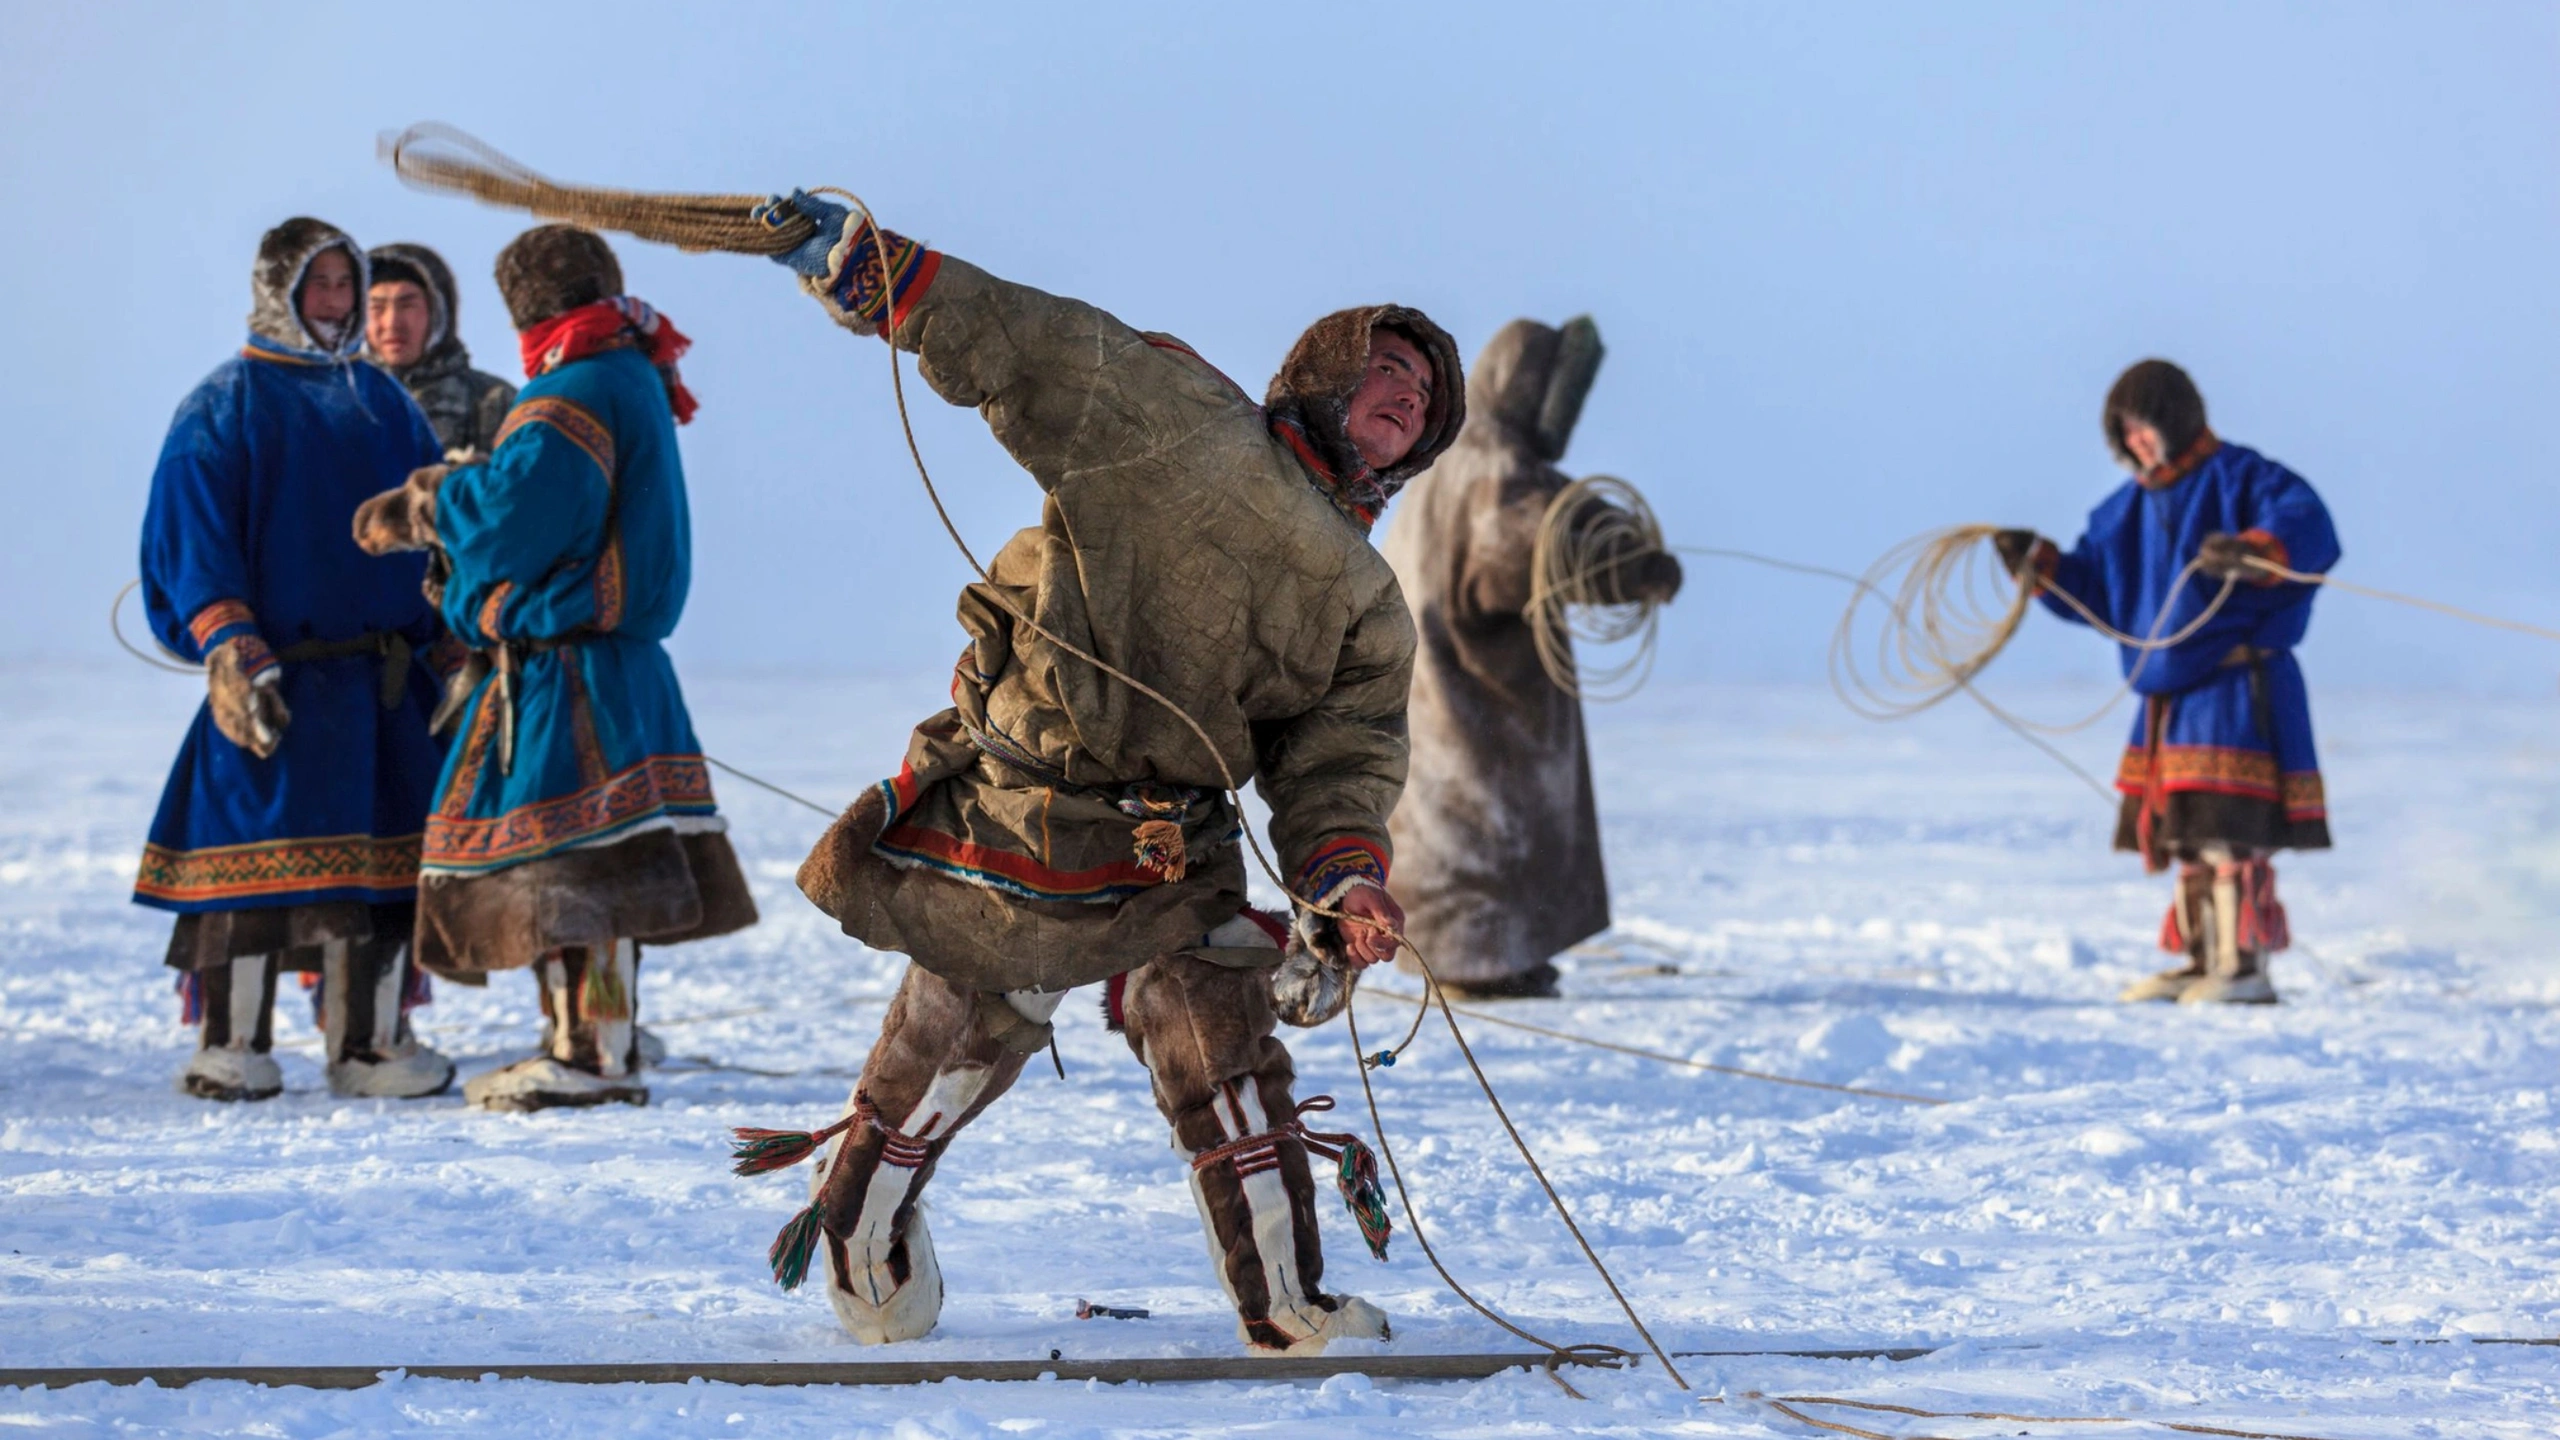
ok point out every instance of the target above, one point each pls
(1591, 529)
(1786, 1405)
(494, 178)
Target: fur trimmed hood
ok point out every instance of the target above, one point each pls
(1530, 380)
(425, 269)
(284, 257)
(1314, 387)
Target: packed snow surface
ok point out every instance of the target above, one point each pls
(2212, 1218)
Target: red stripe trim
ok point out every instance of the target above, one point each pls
(915, 841)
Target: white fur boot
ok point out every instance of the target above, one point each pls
(371, 1053)
(871, 1308)
(1315, 1327)
(231, 1060)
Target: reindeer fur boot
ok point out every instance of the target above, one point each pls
(591, 1052)
(371, 1052)
(944, 1054)
(1204, 1032)
(238, 1029)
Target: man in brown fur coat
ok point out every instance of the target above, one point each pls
(1057, 828)
(1497, 841)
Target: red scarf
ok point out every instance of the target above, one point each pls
(609, 325)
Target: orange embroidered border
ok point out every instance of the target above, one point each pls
(2226, 770)
(659, 783)
(493, 611)
(574, 421)
(464, 778)
(278, 868)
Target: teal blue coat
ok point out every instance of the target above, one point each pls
(574, 530)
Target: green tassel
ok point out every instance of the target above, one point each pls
(1363, 1196)
(605, 997)
(793, 1248)
(758, 1151)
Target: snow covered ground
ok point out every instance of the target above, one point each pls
(2204, 1218)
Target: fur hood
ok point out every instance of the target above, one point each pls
(284, 257)
(1314, 387)
(1529, 383)
(425, 269)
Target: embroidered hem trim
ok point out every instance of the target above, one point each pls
(278, 869)
(659, 785)
(2225, 770)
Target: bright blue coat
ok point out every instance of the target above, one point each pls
(250, 530)
(574, 527)
(2225, 733)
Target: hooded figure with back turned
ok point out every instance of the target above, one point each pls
(1497, 838)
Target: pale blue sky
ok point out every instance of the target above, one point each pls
(1862, 269)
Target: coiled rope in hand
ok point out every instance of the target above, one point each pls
(1594, 528)
(1953, 607)
(718, 223)
(439, 157)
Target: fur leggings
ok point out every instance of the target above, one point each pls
(1219, 1074)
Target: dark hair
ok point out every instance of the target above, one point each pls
(551, 269)
(2160, 395)
(392, 270)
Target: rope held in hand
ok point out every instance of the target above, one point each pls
(1594, 527)
(720, 223)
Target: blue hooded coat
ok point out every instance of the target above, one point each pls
(249, 533)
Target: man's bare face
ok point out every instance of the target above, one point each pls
(1394, 398)
(397, 320)
(328, 295)
(2143, 443)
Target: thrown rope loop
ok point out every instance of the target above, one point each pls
(1954, 607)
(1594, 528)
(440, 157)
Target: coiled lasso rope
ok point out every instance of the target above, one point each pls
(497, 180)
(439, 157)
(1594, 528)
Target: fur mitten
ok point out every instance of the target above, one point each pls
(241, 676)
(402, 519)
(1306, 988)
(2227, 557)
(1316, 977)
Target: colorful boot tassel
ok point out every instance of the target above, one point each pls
(1362, 1195)
(758, 1152)
(793, 1248)
(604, 998)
